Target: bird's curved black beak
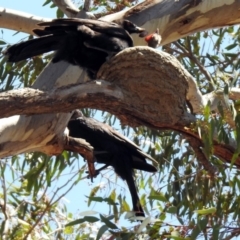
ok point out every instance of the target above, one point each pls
(133, 28)
(143, 33)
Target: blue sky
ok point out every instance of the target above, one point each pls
(29, 6)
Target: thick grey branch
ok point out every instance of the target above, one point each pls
(28, 101)
(19, 21)
(175, 19)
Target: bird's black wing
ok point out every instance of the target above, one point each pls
(100, 35)
(66, 24)
(113, 134)
(102, 136)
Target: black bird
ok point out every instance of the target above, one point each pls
(84, 42)
(113, 149)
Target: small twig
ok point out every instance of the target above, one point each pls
(190, 55)
(232, 234)
(196, 144)
(51, 202)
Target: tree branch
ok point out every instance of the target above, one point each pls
(28, 101)
(67, 7)
(191, 56)
(175, 19)
(87, 5)
(196, 144)
(71, 11)
(19, 21)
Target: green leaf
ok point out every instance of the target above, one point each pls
(47, 2)
(101, 231)
(195, 232)
(231, 55)
(125, 205)
(172, 210)
(91, 219)
(113, 195)
(203, 223)
(215, 234)
(60, 13)
(177, 238)
(82, 220)
(108, 223)
(68, 230)
(231, 46)
(159, 197)
(92, 194)
(206, 211)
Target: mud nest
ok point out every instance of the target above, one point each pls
(153, 82)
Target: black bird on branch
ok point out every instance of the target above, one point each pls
(112, 149)
(84, 42)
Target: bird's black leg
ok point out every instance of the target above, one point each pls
(97, 171)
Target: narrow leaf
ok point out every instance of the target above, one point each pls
(108, 223)
(101, 231)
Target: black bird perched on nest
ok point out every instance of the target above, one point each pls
(84, 42)
(113, 149)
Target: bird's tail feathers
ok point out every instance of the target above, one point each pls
(137, 207)
(124, 168)
(32, 48)
(142, 165)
